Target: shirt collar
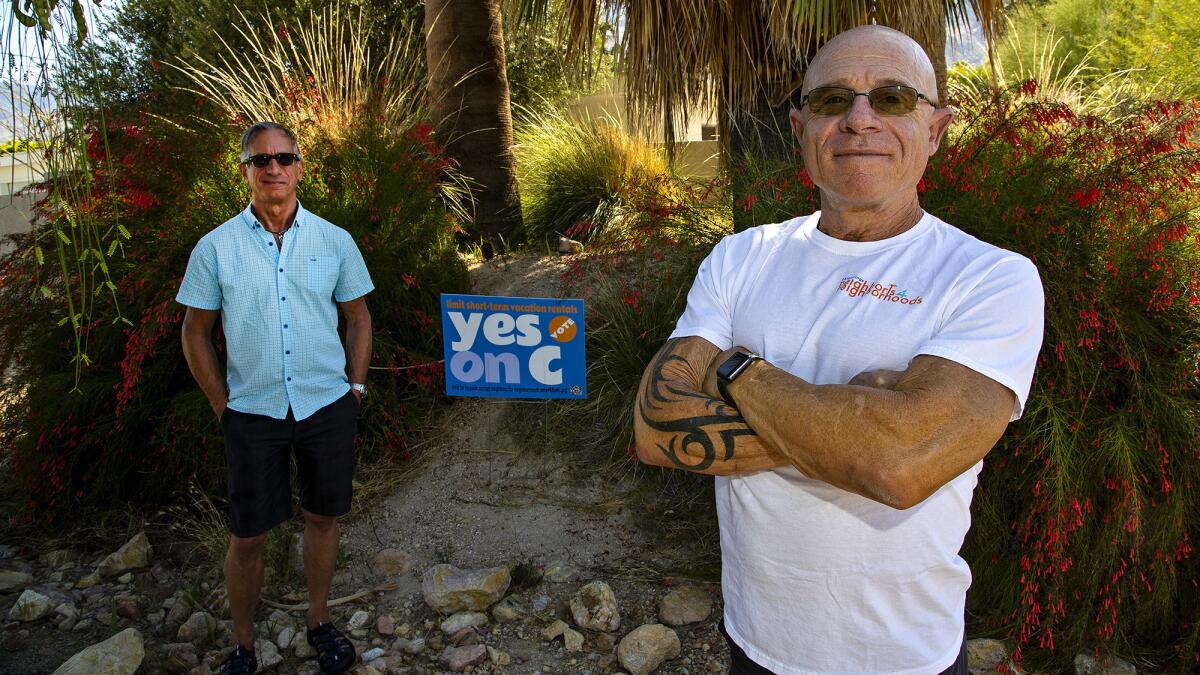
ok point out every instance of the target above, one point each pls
(251, 222)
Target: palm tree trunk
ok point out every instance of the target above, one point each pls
(468, 89)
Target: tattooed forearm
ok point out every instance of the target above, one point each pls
(687, 428)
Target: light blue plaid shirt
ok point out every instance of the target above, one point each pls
(277, 309)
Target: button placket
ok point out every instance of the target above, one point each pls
(281, 292)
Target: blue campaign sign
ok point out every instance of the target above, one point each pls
(513, 347)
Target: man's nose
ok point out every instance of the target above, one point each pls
(860, 117)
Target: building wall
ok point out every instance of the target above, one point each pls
(697, 150)
(17, 171)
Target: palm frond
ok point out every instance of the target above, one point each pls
(688, 55)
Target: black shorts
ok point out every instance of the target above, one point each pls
(258, 450)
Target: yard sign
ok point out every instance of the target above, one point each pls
(513, 347)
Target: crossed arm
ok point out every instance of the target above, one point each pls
(894, 437)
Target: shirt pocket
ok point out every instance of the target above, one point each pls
(321, 274)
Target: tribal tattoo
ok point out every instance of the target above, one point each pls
(712, 434)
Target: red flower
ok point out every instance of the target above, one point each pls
(1085, 197)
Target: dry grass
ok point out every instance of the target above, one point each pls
(320, 76)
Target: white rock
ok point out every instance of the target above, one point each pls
(199, 629)
(647, 647)
(385, 625)
(300, 646)
(359, 619)
(372, 654)
(498, 657)
(88, 581)
(267, 653)
(1086, 664)
(507, 610)
(684, 605)
(285, 637)
(573, 640)
(31, 606)
(985, 655)
(413, 646)
(460, 620)
(67, 610)
(135, 553)
(555, 629)
(595, 607)
(11, 580)
(179, 611)
(121, 654)
(459, 659)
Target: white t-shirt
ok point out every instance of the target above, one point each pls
(817, 579)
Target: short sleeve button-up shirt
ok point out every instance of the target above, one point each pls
(278, 309)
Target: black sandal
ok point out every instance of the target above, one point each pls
(241, 662)
(335, 653)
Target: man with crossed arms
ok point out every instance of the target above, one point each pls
(894, 351)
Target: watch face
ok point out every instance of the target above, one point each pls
(731, 365)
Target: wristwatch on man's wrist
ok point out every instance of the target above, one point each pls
(733, 368)
(360, 388)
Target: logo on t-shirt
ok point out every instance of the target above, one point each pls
(857, 287)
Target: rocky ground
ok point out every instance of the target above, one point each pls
(490, 556)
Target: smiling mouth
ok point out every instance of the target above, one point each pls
(861, 154)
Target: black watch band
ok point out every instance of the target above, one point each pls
(729, 371)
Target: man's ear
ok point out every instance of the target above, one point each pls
(939, 122)
(796, 119)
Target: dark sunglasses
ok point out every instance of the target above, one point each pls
(895, 99)
(282, 158)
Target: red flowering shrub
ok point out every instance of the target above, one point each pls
(1086, 511)
(1086, 514)
(139, 429)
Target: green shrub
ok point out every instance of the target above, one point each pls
(635, 289)
(138, 414)
(1085, 516)
(576, 178)
(1154, 45)
(20, 145)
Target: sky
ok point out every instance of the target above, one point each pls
(23, 52)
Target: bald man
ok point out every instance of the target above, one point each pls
(843, 374)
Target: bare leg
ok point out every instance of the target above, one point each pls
(321, 535)
(243, 581)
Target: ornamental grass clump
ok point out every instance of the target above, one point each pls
(1085, 519)
(576, 178)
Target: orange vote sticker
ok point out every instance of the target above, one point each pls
(562, 328)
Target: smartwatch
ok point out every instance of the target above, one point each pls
(729, 371)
